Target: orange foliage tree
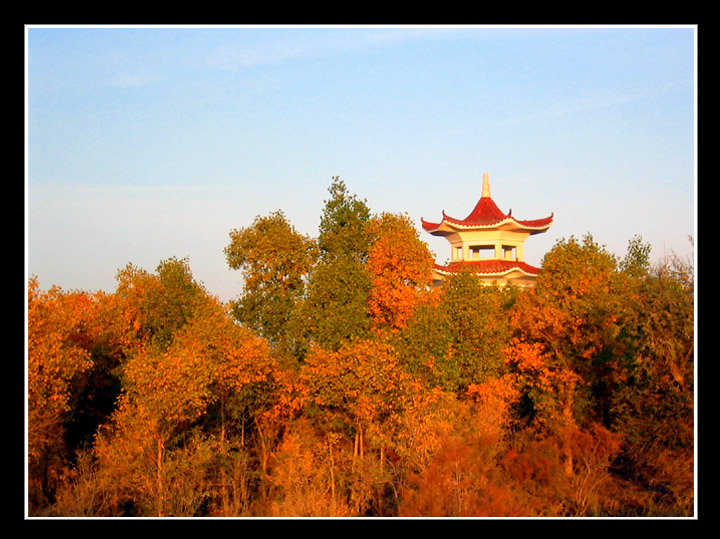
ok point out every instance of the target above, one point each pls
(568, 347)
(184, 355)
(399, 263)
(361, 393)
(361, 384)
(210, 361)
(59, 326)
(460, 475)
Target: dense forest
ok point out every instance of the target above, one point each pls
(340, 383)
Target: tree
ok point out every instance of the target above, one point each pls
(138, 321)
(571, 320)
(166, 399)
(400, 265)
(343, 225)
(360, 393)
(461, 479)
(183, 354)
(164, 393)
(58, 324)
(637, 260)
(306, 477)
(274, 260)
(457, 333)
(655, 408)
(569, 347)
(458, 474)
(363, 382)
(336, 307)
(155, 306)
(478, 322)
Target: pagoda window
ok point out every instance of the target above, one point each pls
(482, 251)
(509, 252)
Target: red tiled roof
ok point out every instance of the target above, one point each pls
(489, 267)
(427, 225)
(486, 214)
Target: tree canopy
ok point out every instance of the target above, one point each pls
(340, 382)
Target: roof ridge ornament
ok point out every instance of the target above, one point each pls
(486, 185)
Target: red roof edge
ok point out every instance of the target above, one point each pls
(489, 267)
(486, 213)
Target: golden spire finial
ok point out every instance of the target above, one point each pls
(486, 185)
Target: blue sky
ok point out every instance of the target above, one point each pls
(153, 142)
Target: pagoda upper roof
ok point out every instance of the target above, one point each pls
(485, 215)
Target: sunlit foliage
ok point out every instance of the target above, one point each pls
(339, 383)
(274, 260)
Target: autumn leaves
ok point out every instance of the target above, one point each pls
(339, 383)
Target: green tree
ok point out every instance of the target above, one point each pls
(156, 305)
(343, 225)
(457, 335)
(478, 321)
(336, 307)
(275, 260)
(637, 259)
(654, 408)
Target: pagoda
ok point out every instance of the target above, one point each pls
(488, 242)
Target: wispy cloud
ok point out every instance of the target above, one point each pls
(134, 79)
(282, 45)
(74, 189)
(128, 71)
(592, 101)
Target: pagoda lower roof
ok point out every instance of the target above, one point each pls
(485, 215)
(490, 267)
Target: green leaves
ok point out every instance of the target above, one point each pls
(159, 304)
(274, 260)
(343, 225)
(336, 306)
(339, 374)
(637, 259)
(457, 337)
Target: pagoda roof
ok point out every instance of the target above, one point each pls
(489, 267)
(485, 215)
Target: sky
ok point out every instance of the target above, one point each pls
(146, 143)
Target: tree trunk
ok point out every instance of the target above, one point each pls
(222, 422)
(332, 479)
(358, 447)
(160, 488)
(569, 422)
